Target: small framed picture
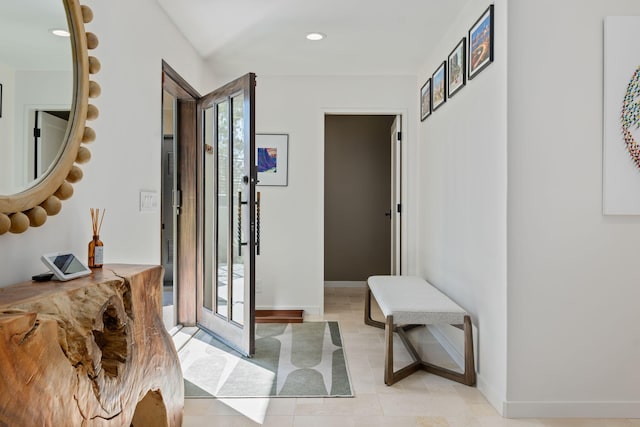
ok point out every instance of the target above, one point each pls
(439, 80)
(481, 43)
(456, 67)
(272, 158)
(425, 100)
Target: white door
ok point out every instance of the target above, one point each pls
(396, 193)
(50, 132)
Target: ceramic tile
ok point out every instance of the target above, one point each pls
(227, 421)
(282, 406)
(432, 422)
(582, 422)
(382, 421)
(323, 421)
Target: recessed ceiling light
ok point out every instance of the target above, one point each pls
(315, 36)
(60, 32)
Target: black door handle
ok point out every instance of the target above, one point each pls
(388, 214)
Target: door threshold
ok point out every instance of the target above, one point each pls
(279, 316)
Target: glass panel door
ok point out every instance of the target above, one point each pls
(239, 195)
(226, 305)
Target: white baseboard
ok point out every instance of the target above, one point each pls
(344, 284)
(452, 341)
(533, 409)
(495, 400)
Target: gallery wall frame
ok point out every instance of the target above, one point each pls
(481, 43)
(457, 67)
(439, 82)
(425, 100)
(272, 158)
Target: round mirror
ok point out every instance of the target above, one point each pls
(44, 78)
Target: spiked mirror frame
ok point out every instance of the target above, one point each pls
(31, 207)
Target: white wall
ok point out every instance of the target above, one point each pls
(573, 278)
(134, 38)
(290, 268)
(462, 189)
(7, 78)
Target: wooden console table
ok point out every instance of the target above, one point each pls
(89, 352)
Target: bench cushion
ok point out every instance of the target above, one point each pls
(413, 300)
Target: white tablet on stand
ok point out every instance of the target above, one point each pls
(65, 265)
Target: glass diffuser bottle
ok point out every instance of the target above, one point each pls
(96, 248)
(96, 252)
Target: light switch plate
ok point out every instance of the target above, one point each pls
(148, 201)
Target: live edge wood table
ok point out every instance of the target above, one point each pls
(89, 352)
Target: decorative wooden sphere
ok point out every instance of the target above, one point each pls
(94, 89)
(64, 192)
(92, 40)
(75, 174)
(92, 112)
(5, 223)
(84, 155)
(88, 136)
(94, 65)
(37, 216)
(87, 14)
(19, 223)
(52, 205)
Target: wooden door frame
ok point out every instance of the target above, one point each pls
(186, 261)
(396, 192)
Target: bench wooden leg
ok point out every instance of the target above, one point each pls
(391, 376)
(388, 351)
(469, 359)
(468, 377)
(367, 311)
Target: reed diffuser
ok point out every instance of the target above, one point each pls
(96, 248)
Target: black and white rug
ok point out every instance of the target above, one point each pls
(291, 360)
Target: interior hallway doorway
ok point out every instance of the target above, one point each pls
(362, 192)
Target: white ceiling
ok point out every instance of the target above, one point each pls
(25, 40)
(364, 37)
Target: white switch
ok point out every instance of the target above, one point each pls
(148, 201)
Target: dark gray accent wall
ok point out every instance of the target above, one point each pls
(357, 234)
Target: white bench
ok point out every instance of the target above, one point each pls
(407, 302)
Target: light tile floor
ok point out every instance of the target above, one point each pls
(420, 400)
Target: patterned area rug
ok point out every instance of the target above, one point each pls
(291, 360)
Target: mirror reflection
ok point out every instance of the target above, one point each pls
(36, 74)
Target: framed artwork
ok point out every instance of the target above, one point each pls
(272, 158)
(456, 67)
(0, 99)
(439, 80)
(425, 100)
(481, 43)
(621, 117)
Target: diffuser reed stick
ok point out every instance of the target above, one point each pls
(95, 214)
